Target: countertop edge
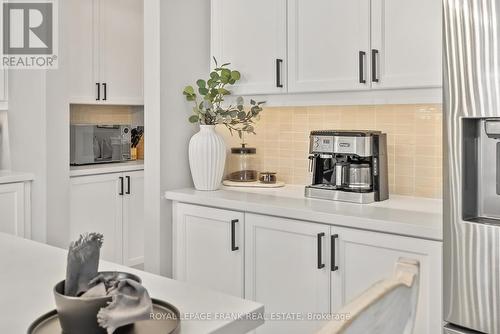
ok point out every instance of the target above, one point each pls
(16, 177)
(369, 224)
(107, 169)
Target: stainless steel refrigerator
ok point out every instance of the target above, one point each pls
(472, 166)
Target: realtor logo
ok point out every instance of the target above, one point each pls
(29, 34)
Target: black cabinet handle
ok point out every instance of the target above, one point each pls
(362, 56)
(98, 91)
(279, 84)
(128, 185)
(321, 265)
(105, 86)
(374, 65)
(233, 235)
(121, 186)
(333, 264)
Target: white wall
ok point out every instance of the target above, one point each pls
(27, 131)
(57, 105)
(185, 57)
(39, 142)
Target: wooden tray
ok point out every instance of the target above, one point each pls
(256, 184)
(167, 321)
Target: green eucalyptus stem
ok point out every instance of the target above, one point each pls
(208, 102)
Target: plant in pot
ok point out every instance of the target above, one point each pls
(207, 150)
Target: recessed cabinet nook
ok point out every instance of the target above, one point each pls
(299, 46)
(105, 45)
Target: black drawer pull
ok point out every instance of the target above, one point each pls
(128, 185)
(321, 265)
(105, 91)
(374, 66)
(98, 91)
(334, 266)
(233, 235)
(362, 56)
(279, 62)
(121, 186)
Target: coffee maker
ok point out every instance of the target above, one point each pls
(349, 166)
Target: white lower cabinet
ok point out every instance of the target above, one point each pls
(111, 204)
(208, 248)
(133, 219)
(364, 258)
(15, 209)
(298, 267)
(287, 269)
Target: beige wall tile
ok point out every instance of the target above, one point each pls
(414, 136)
(105, 114)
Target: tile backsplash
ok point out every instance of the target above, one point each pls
(414, 141)
(106, 114)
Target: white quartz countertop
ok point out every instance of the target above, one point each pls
(117, 167)
(30, 270)
(7, 176)
(403, 215)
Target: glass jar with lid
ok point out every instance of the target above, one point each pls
(243, 164)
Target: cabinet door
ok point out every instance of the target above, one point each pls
(325, 39)
(208, 248)
(407, 35)
(251, 35)
(82, 50)
(121, 48)
(364, 258)
(12, 209)
(4, 96)
(133, 219)
(283, 271)
(96, 206)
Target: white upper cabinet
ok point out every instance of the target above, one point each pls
(301, 46)
(251, 35)
(106, 47)
(406, 43)
(121, 50)
(82, 50)
(328, 45)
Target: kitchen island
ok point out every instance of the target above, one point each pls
(30, 270)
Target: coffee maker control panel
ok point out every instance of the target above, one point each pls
(322, 144)
(360, 145)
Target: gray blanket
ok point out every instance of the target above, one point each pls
(130, 300)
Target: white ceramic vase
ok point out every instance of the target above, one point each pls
(207, 157)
